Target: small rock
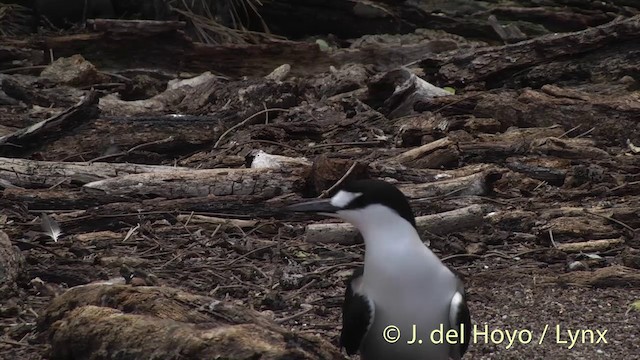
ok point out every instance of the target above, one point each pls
(476, 248)
(74, 71)
(280, 73)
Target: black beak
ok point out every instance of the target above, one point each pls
(315, 206)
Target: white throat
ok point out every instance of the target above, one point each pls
(394, 253)
(384, 231)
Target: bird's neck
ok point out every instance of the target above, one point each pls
(390, 238)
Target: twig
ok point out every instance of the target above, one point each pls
(585, 133)
(340, 181)
(353, 143)
(244, 122)
(623, 185)
(296, 315)
(551, 238)
(245, 255)
(542, 183)
(569, 131)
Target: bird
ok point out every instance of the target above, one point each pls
(404, 301)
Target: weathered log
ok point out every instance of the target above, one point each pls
(143, 27)
(388, 169)
(136, 44)
(202, 219)
(421, 151)
(11, 263)
(495, 65)
(475, 184)
(32, 173)
(218, 182)
(610, 276)
(59, 199)
(551, 170)
(439, 224)
(591, 245)
(467, 18)
(582, 113)
(399, 90)
(162, 321)
(26, 140)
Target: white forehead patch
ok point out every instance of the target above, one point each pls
(343, 198)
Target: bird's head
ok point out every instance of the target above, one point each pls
(364, 203)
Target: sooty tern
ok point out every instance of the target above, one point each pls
(402, 304)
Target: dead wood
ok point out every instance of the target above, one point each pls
(585, 112)
(201, 219)
(422, 151)
(579, 228)
(402, 173)
(439, 224)
(130, 43)
(32, 173)
(475, 184)
(39, 91)
(592, 245)
(176, 324)
(551, 170)
(610, 276)
(142, 27)
(59, 199)
(219, 182)
(494, 65)
(399, 90)
(10, 55)
(11, 264)
(26, 140)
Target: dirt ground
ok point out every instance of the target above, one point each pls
(538, 136)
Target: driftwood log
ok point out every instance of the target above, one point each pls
(24, 140)
(32, 173)
(440, 224)
(263, 182)
(110, 321)
(611, 276)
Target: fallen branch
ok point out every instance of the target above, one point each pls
(493, 63)
(190, 183)
(591, 245)
(24, 140)
(32, 173)
(610, 276)
(438, 224)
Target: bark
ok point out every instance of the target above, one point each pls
(32, 173)
(190, 183)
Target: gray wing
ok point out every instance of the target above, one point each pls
(460, 318)
(357, 314)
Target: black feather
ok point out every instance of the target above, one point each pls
(356, 316)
